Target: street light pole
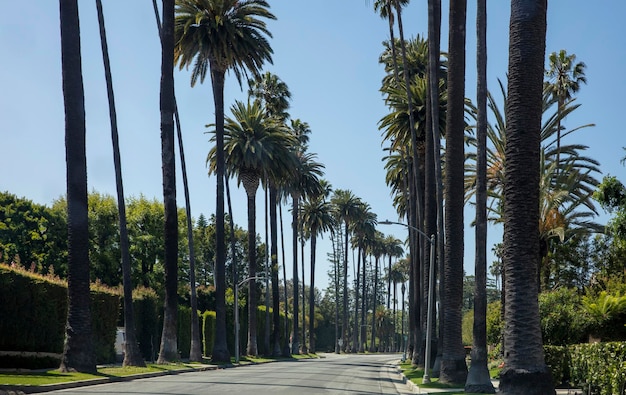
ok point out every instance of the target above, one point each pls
(431, 281)
(236, 306)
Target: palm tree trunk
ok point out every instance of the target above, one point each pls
(453, 367)
(132, 355)
(374, 305)
(286, 348)
(78, 350)
(220, 348)
(344, 329)
(355, 334)
(295, 342)
(312, 297)
(336, 259)
(275, 284)
(233, 251)
(251, 184)
(525, 370)
(434, 37)
(195, 354)
(478, 379)
(303, 347)
(266, 339)
(363, 328)
(169, 350)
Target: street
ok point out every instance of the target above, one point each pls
(334, 374)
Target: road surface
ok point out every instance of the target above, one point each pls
(334, 374)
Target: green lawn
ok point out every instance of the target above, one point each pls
(54, 376)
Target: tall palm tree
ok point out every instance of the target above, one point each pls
(304, 184)
(345, 205)
(525, 369)
(132, 354)
(195, 353)
(393, 249)
(317, 218)
(564, 79)
(363, 228)
(376, 249)
(78, 350)
(169, 350)
(434, 177)
(567, 179)
(217, 36)
(478, 379)
(453, 367)
(274, 95)
(254, 144)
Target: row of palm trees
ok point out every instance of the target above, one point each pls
(556, 178)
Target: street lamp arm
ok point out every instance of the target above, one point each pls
(387, 222)
(250, 278)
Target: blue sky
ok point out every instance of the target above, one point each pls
(325, 50)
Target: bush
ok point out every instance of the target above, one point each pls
(208, 332)
(495, 325)
(557, 358)
(34, 312)
(603, 365)
(563, 321)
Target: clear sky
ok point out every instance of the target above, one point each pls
(325, 50)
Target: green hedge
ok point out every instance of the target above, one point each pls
(34, 310)
(603, 365)
(557, 358)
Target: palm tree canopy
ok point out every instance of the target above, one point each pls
(316, 216)
(222, 35)
(254, 143)
(564, 75)
(273, 93)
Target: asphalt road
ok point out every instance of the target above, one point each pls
(334, 374)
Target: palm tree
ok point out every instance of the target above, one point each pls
(525, 370)
(453, 368)
(169, 350)
(376, 249)
(345, 205)
(393, 249)
(275, 96)
(565, 77)
(273, 93)
(363, 228)
(254, 144)
(398, 275)
(566, 183)
(304, 184)
(217, 36)
(132, 355)
(78, 350)
(316, 218)
(478, 379)
(195, 353)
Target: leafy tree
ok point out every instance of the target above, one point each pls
(563, 320)
(33, 236)
(218, 36)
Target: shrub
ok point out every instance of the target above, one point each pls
(208, 332)
(603, 365)
(563, 321)
(557, 358)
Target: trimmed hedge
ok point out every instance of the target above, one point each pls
(603, 365)
(34, 309)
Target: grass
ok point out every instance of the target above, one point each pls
(54, 376)
(416, 376)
